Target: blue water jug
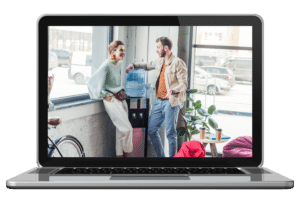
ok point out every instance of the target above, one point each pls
(135, 83)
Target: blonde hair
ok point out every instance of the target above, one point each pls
(114, 45)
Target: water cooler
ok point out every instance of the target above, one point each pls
(138, 106)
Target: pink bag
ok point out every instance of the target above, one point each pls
(239, 147)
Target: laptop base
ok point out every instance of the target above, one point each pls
(254, 178)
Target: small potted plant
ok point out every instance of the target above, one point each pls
(195, 116)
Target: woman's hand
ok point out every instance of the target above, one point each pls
(108, 98)
(131, 66)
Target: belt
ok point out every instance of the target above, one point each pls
(162, 98)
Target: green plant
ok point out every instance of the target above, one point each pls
(196, 116)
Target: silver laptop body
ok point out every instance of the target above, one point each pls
(254, 176)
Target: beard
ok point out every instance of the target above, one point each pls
(163, 53)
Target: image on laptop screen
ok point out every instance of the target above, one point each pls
(150, 91)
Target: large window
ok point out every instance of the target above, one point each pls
(70, 57)
(222, 74)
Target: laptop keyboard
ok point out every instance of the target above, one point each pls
(149, 171)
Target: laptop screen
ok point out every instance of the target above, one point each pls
(149, 91)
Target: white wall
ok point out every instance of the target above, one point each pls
(91, 125)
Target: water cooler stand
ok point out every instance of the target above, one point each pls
(138, 114)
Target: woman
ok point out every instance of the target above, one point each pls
(103, 83)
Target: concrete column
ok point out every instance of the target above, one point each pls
(99, 46)
(183, 43)
(121, 33)
(183, 53)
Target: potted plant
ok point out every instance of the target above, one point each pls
(195, 116)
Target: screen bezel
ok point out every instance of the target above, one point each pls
(192, 20)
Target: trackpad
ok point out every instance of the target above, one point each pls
(149, 178)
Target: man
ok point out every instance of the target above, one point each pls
(170, 85)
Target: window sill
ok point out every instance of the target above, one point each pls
(67, 105)
(71, 101)
(74, 107)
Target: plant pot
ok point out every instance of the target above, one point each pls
(180, 141)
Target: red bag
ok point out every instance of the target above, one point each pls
(119, 95)
(192, 148)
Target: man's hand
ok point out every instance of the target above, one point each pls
(108, 98)
(173, 92)
(168, 94)
(131, 66)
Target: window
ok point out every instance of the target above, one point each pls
(215, 70)
(205, 68)
(220, 36)
(64, 54)
(51, 54)
(68, 44)
(60, 44)
(74, 53)
(225, 54)
(86, 45)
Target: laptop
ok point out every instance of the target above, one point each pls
(219, 127)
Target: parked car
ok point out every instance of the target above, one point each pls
(81, 67)
(205, 60)
(220, 72)
(236, 57)
(52, 60)
(64, 56)
(204, 81)
(242, 68)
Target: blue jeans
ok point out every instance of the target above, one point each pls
(163, 112)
